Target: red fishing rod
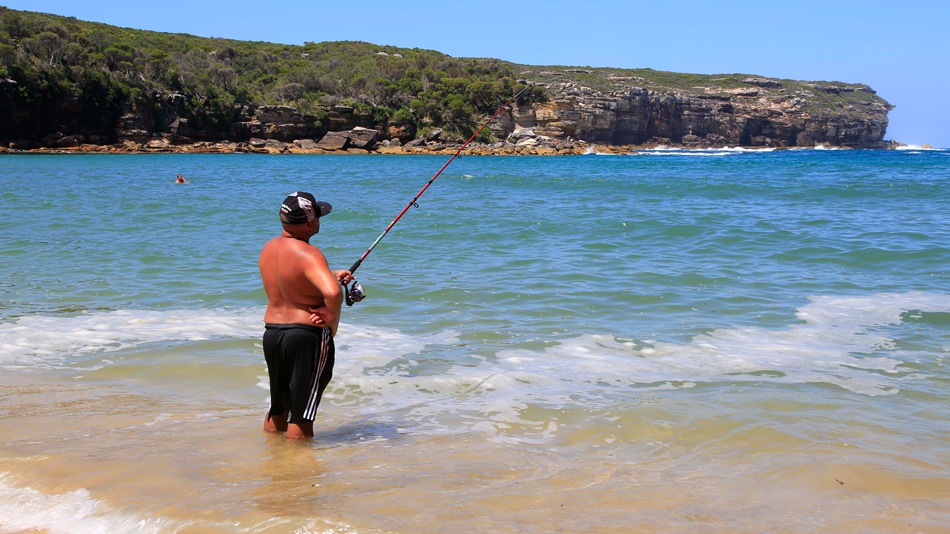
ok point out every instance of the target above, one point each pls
(355, 292)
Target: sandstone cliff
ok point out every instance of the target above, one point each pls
(611, 110)
(732, 110)
(766, 113)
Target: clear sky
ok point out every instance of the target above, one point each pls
(901, 50)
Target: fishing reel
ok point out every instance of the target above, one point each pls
(354, 292)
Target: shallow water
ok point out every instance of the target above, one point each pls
(704, 341)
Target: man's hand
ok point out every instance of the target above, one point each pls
(317, 317)
(345, 277)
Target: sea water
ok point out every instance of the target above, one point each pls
(705, 341)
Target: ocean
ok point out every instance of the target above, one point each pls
(660, 341)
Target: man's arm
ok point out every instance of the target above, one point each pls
(319, 274)
(317, 313)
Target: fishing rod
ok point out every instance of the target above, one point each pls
(354, 292)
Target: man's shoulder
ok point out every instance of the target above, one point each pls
(271, 244)
(282, 245)
(285, 242)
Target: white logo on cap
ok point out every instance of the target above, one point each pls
(307, 208)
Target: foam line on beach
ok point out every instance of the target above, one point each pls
(841, 340)
(54, 341)
(26, 509)
(23, 508)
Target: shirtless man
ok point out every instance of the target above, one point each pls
(304, 299)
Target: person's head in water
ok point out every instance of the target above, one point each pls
(301, 208)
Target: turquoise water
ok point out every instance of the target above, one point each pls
(713, 340)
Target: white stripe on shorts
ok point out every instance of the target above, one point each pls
(310, 413)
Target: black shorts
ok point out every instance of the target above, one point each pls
(300, 361)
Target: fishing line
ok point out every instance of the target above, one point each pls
(354, 292)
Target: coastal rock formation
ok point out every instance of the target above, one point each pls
(756, 112)
(764, 114)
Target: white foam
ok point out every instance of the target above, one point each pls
(841, 340)
(50, 341)
(918, 148)
(687, 153)
(377, 345)
(834, 345)
(846, 341)
(700, 152)
(26, 509)
(366, 375)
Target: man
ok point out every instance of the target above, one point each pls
(304, 299)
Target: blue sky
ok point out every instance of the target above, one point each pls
(900, 50)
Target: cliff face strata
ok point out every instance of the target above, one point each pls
(764, 114)
(751, 112)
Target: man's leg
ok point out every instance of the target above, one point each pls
(278, 379)
(313, 368)
(276, 423)
(302, 431)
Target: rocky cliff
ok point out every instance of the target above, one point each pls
(762, 115)
(583, 107)
(739, 111)
(623, 111)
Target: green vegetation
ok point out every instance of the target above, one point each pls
(821, 96)
(105, 68)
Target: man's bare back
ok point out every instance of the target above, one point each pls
(297, 280)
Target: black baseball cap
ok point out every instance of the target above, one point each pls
(300, 207)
